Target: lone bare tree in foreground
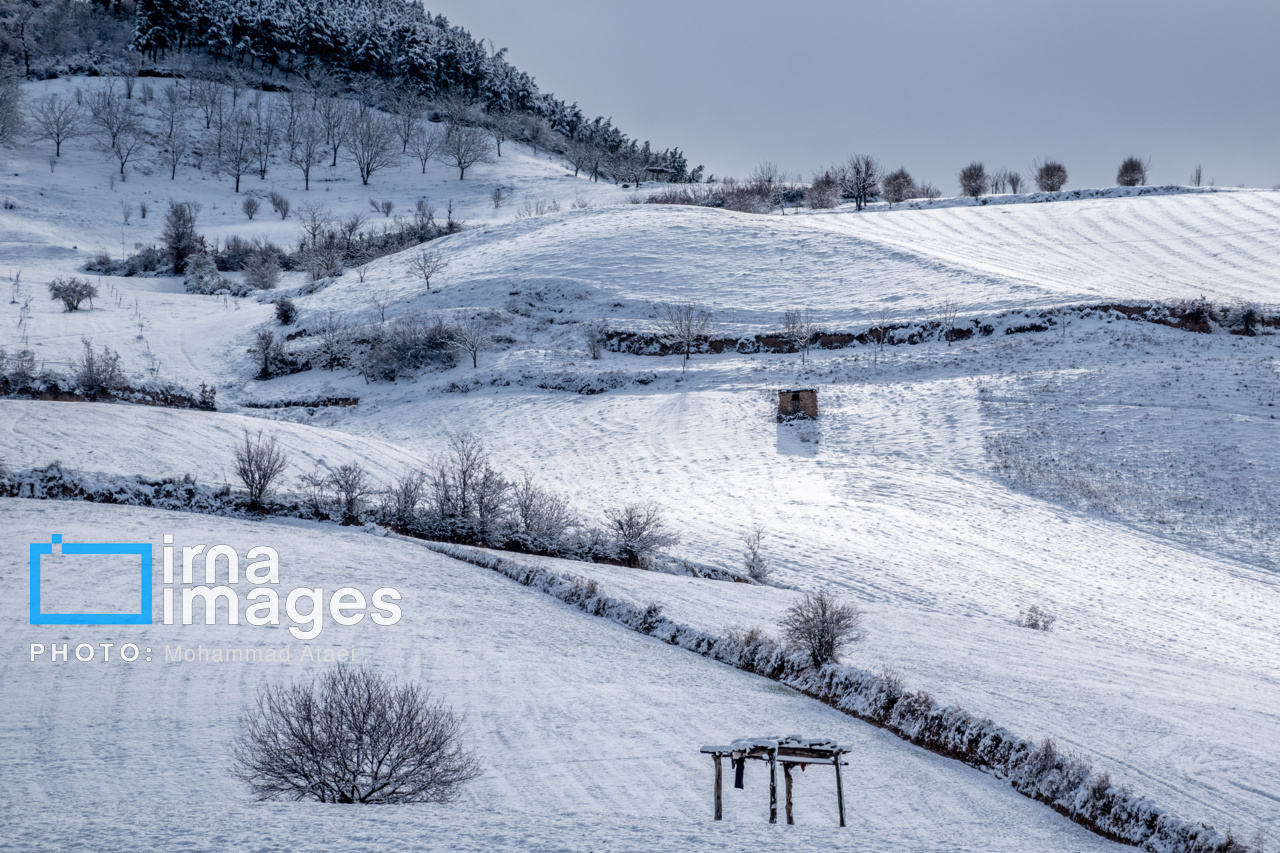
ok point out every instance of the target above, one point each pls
(260, 462)
(353, 736)
(683, 324)
(821, 627)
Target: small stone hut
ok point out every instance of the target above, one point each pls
(797, 403)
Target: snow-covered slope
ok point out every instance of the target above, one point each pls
(589, 732)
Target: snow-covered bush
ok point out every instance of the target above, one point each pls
(821, 627)
(97, 374)
(71, 292)
(403, 348)
(755, 562)
(262, 270)
(269, 355)
(639, 531)
(1036, 618)
(352, 736)
(202, 276)
(286, 311)
(180, 237)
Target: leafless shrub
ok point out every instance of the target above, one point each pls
(262, 269)
(472, 335)
(279, 204)
(1132, 172)
(821, 627)
(1051, 176)
(71, 292)
(497, 197)
(179, 234)
(403, 498)
(1015, 180)
(638, 531)
(1197, 176)
(1036, 618)
(595, 334)
(539, 520)
(756, 563)
(352, 736)
(268, 351)
(466, 494)
(799, 328)
(259, 463)
(682, 325)
(973, 179)
(251, 206)
(97, 374)
(330, 342)
(404, 347)
(824, 192)
(352, 487)
(384, 207)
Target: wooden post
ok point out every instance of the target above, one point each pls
(839, 789)
(773, 786)
(786, 777)
(719, 786)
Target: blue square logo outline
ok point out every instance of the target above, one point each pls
(141, 549)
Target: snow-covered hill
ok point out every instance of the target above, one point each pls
(1121, 475)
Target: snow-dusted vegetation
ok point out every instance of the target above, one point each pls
(365, 294)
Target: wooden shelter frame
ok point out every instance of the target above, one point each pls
(787, 751)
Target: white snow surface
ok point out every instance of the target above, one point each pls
(588, 731)
(1149, 535)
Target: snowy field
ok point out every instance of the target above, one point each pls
(1121, 475)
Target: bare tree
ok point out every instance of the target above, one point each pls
(756, 563)
(173, 141)
(1051, 176)
(266, 349)
(464, 147)
(11, 114)
(427, 263)
(898, 186)
(860, 179)
(799, 328)
(307, 148)
(334, 115)
(352, 736)
(973, 179)
(120, 132)
(425, 143)
(370, 144)
(57, 119)
(500, 126)
(1132, 172)
(472, 335)
(315, 220)
(638, 531)
(683, 324)
(406, 110)
(1016, 181)
(596, 334)
(1197, 176)
(821, 627)
(237, 155)
(251, 205)
(260, 462)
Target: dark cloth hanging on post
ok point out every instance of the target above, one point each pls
(739, 766)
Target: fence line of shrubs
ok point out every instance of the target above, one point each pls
(1067, 784)
(458, 497)
(95, 376)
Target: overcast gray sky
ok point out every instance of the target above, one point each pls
(927, 84)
